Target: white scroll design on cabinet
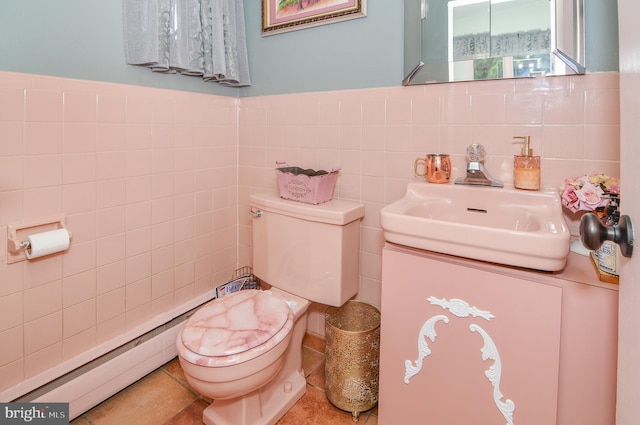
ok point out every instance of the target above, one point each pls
(427, 330)
(494, 373)
(462, 309)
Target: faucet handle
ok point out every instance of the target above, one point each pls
(476, 153)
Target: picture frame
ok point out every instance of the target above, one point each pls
(280, 16)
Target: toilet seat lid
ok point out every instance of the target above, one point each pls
(235, 323)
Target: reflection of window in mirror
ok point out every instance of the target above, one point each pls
(490, 39)
(577, 39)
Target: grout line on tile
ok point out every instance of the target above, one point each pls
(182, 384)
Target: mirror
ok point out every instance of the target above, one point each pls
(465, 40)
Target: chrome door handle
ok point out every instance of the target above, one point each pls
(593, 233)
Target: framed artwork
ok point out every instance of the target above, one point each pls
(288, 15)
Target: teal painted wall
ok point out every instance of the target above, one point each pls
(359, 53)
(80, 39)
(603, 17)
(83, 39)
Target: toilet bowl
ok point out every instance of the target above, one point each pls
(243, 351)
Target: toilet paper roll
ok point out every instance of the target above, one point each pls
(45, 243)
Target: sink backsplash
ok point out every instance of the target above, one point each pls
(376, 134)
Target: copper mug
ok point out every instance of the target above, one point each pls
(437, 167)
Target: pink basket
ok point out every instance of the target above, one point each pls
(309, 186)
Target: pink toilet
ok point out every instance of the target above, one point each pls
(244, 350)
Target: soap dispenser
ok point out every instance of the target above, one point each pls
(526, 167)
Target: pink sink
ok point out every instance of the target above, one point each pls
(500, 225)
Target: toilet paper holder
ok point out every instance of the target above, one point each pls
(17, 233)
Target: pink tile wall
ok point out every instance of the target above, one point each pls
(147, 181)
(376, 134)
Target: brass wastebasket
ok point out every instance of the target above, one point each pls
(352, 337)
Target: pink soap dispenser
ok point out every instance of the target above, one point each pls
(526, 167)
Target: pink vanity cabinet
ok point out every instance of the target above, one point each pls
(465, 342)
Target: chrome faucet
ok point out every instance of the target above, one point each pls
(477, 174)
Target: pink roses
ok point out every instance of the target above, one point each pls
(587, 193)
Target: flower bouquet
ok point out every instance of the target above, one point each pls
(591, 192)
(600, 194)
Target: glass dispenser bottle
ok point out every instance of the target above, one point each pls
(526, 167)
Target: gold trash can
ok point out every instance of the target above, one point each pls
(352, 337)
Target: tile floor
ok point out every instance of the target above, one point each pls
(164, 398)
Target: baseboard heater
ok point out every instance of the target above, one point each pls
(99, 379)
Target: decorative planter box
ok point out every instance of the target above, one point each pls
(309, 186)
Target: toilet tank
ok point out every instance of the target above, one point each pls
(308, 250)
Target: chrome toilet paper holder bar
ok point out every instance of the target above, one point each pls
(25, 244)
(17, 233)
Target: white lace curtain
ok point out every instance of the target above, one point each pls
(194, 37)
(470, 46)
